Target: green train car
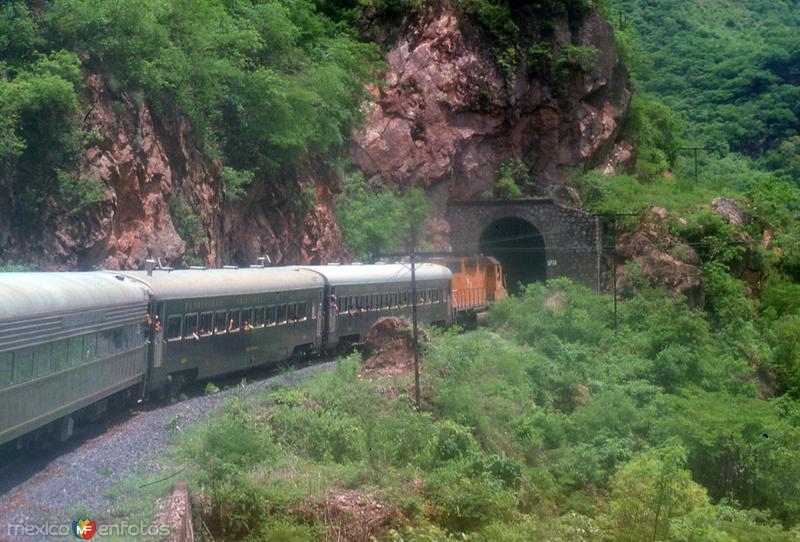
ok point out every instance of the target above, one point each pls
(217, 321)
(68, 342)
(71, 342)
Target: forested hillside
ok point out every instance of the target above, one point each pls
(677, 420)
(730, 70)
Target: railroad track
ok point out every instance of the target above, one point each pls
(19, 467)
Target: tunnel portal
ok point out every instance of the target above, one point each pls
(534, 238)
(519, 247)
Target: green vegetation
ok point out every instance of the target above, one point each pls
(548, 425)
(514, 181)
(728, 69)
(265, 84)
(187, 224)
(376, 219)
(504, 22)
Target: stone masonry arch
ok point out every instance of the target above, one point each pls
(570, 239)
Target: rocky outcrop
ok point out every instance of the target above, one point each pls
(663, 261)
(446, 115)
(164, 199)
(730, 211)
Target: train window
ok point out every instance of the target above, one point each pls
(103, 343)
(138, 334)
(120, 338)
(6, 369)
(90, 347)
(42, 357)
(75, 350)
(313, 311)
(234, 320)
(403, 299)
(434, 296)
(23, 365)
(59, 355)
(395, 299)
(247, 318)
(259, 316)
(271, 315)
(221, 322)
(190, 330)
(281, 314)
(206, 323)
(302, 311)
(292, 312)
(174, 327)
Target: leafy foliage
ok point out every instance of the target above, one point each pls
(264, 83)
(728, 69)
(376, 219)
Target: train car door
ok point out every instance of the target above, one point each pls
(158, 337)
(333, 312)
(319, 308)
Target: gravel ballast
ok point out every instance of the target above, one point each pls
(51, 490)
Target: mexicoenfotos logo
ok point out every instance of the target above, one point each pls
(84, 529)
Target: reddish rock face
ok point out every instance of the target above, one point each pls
(146, 162)
(446, 115)
(666, 263)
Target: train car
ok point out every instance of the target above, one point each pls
(357, 295)
(216, 321)
(68, 343)
(477, 282)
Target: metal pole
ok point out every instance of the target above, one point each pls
(614, 269)
(414, 312)
(695, 150)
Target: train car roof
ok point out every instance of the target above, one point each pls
(199, 283)
(27, 295)
(379, 273)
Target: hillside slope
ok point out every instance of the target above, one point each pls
(216, 132)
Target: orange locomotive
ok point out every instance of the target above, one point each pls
(477, 282)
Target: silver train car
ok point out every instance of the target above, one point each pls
(72, 342)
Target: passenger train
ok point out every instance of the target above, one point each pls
(72, 342)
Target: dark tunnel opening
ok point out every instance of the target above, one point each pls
(519, 247)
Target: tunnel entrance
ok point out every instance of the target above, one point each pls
(519, 247)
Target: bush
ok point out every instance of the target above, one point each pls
(466, 504)
(321, 435)
(376, 219)
(236, 183)
(453, 442)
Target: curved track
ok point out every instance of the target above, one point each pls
(52, 485)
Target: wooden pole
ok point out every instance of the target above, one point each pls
(414, 312)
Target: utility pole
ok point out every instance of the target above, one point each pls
(613, 247)
(414, 311)
(614, 268)
(695, 149)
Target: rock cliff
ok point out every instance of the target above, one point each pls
(164, 199)
(446, 116)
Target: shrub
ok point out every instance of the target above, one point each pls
(466, 504)
(321, 435)
(453, 442)
(236, 183)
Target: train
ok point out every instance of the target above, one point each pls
(74, 343)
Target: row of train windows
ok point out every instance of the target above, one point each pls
(22, 365)
(190, 326)
(387, 301)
